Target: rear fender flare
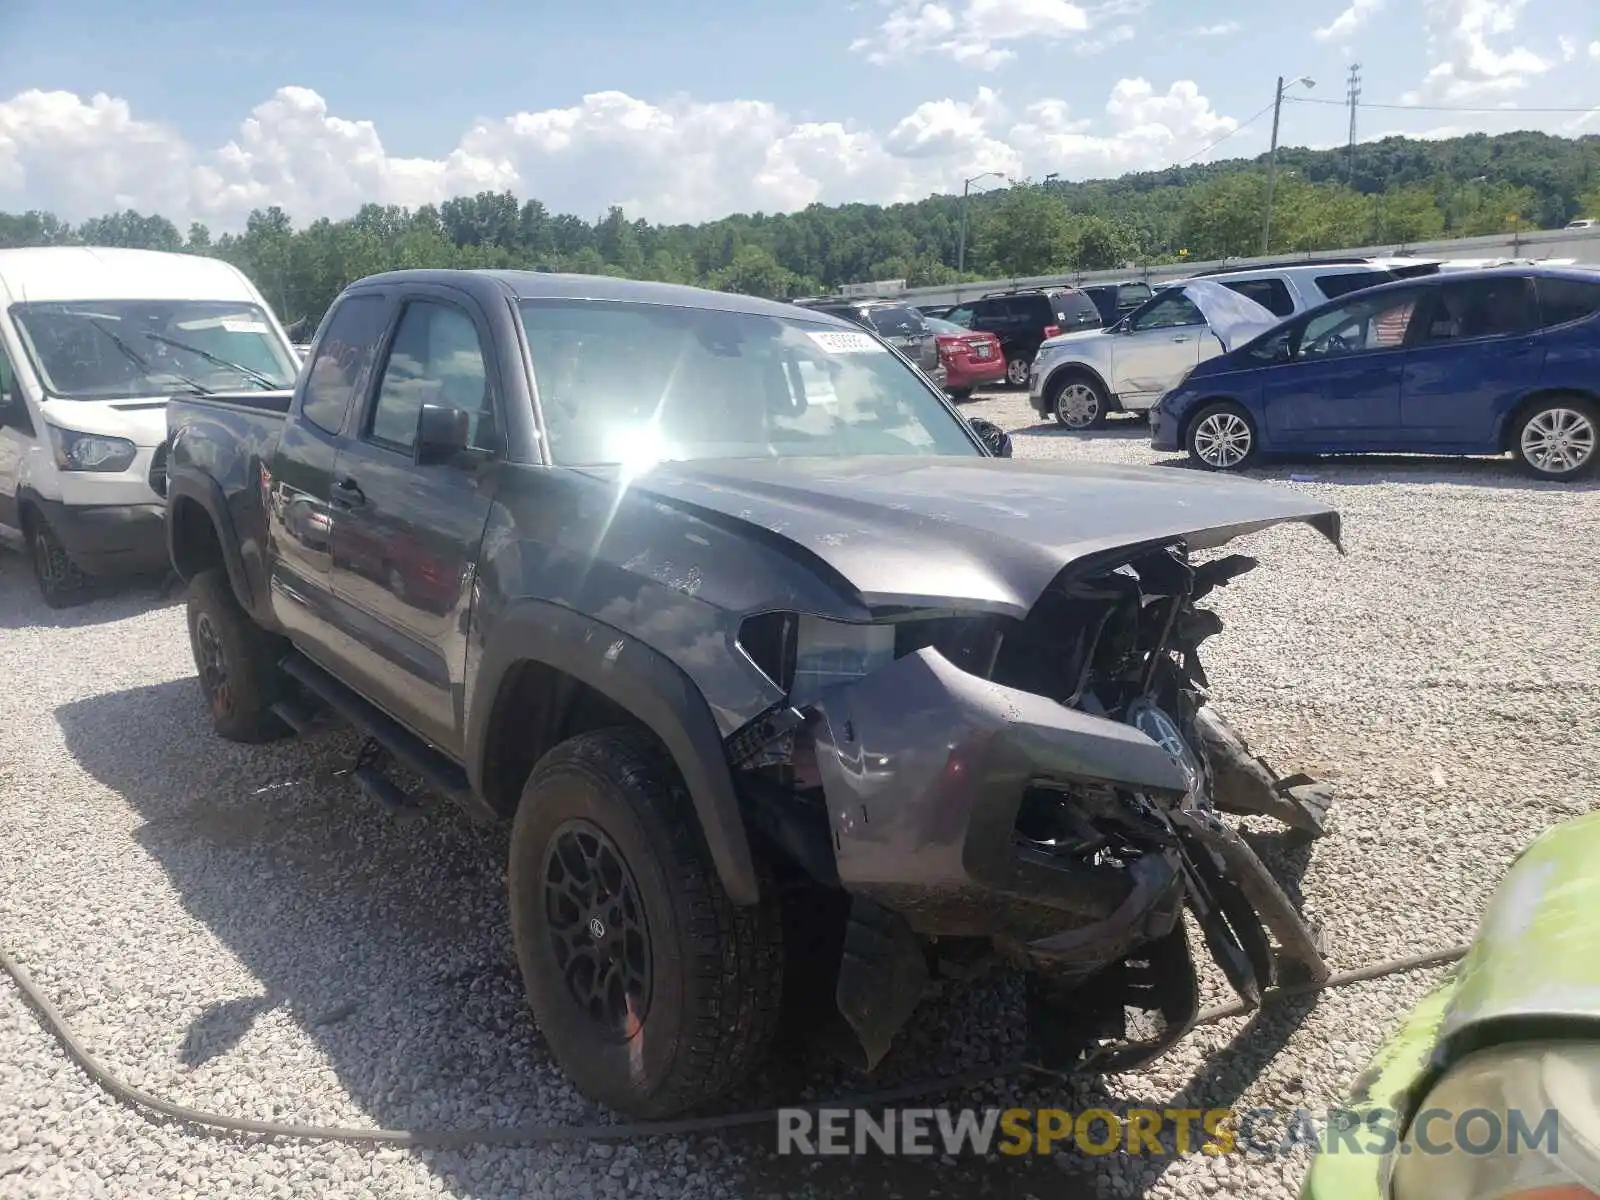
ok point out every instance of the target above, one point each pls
(208, 495)
(645, 683)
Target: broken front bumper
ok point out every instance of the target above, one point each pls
(925, 769)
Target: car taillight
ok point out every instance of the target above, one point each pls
(1051, 331)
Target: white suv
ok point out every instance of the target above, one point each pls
(1078, 378)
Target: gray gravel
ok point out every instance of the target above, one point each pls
(236, 929)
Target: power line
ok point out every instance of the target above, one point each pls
(1583, 108)
(1239, 128)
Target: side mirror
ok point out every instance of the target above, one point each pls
(442, 433)
(997, 440)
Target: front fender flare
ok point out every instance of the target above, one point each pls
(645, 683)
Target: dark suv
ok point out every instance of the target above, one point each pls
(902, 326)
(1117, 300)
(1024, 319)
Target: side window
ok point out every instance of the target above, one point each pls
(13, 408)
(1169, 312)
(1271, 294)
(436, 359)
(960, 316)
(1480, 308)
(1564, 300)
(342, 360)
(1346, 282)
(1377, 323)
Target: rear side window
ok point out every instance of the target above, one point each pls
(1480, 308)
(1564, 300)
(342, 360)
(1342, 284)
(1131, 295)
(1271, 294)
(960, 316)
(896, 320)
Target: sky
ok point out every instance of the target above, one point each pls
(692, 110)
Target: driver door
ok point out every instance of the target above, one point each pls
(1162, 342)
(1340, 388)
(16, 435)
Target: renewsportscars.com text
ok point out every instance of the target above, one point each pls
(1158, 1131)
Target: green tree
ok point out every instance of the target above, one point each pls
(1027, 231)
(754, 272)
(1408, 214)
(1101, 244)
(1223, 218)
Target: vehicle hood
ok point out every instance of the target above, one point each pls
(1235, 319)
(1537, 953)
(981, 534)
(142, 421)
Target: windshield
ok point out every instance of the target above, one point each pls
(122, 349)
(641, 383)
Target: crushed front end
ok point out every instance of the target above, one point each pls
(1043, 793)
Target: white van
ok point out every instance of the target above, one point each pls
(92, 343)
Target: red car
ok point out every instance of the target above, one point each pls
(971, 359)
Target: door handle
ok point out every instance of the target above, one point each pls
(347, 494)
(1182, 337)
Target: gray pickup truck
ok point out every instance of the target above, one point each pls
(784, 674)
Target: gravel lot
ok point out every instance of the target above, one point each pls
(235, 928)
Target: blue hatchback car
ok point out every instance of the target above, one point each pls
(1474, 362)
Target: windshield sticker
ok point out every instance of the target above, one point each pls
(244, 327)
(840, 341)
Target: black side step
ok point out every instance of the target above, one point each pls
(300, 717)
(441, 773)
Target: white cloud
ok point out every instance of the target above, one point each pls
(679, 160)
(973, 34)
(1349, 21)
(1467, 67)
(1220, 29)
(1594, 49)
(1114, 36)
(1568, 46)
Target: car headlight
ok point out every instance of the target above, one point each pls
(90, 451)
(1513, 1123)
(811, 654)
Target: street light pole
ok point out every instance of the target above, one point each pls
(961, 239)
(1272, 158)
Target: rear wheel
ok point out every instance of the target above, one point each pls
(61, 583)
(1017, 371)
(1556, 438)
(1222, 438)
(237, 662)
(960, 395)
(653, 991)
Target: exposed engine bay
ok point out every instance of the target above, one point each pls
(960, 791)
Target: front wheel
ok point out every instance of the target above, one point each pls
(61, 583)
(960, 395)
(1078, 402)
(653, 991)
(237, 662)
(1222, 437)
(1555, 439)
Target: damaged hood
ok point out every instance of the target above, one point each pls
(981, 534)
(1235, 319)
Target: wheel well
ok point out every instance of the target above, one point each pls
(195, 544)
(538, 707)
(1069, 371)
(1508, 429)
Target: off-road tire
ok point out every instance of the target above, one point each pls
(61, 583)
(241, 698)
(716, 969)
(1074, 419)
(1577, 416)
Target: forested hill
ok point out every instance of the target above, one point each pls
(1395, 190)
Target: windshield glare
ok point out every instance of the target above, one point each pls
(633, 384)
(74, 347)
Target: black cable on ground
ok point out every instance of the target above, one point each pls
(527, 1135)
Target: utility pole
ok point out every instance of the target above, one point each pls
(1355, 101)
(961, 239)
(1272, 157)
